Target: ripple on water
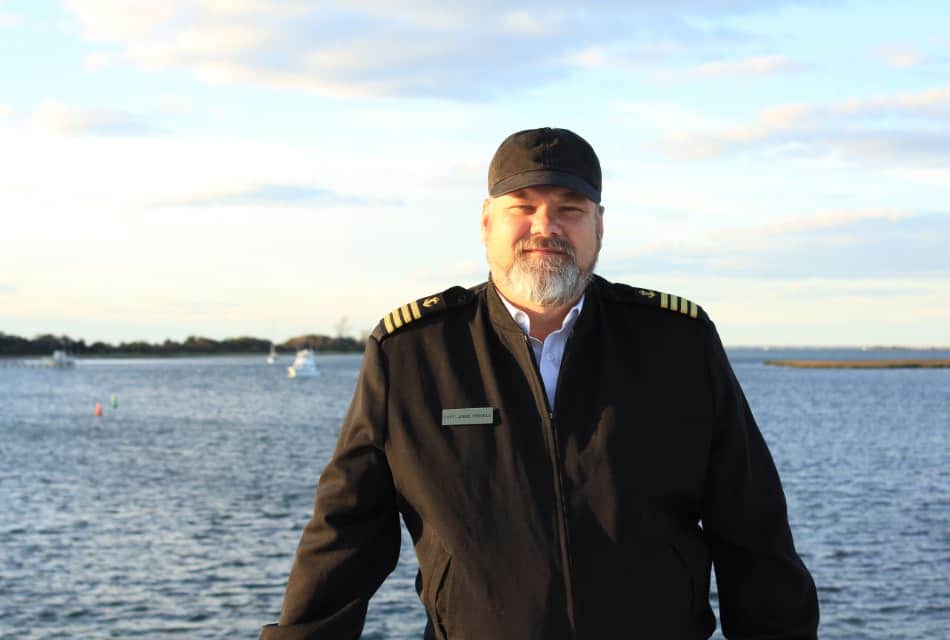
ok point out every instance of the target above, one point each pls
(177, 514)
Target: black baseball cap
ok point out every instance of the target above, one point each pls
(545, 156)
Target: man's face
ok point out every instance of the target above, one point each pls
(542, 244)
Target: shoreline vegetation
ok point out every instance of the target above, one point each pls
(12, 346)
(913, 363)
(16, 347)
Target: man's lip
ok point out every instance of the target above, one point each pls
(544, 251)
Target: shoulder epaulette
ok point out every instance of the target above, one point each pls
(421, 308)
(660, 299)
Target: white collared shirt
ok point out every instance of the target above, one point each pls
(547, 354)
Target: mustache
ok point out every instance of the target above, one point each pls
(556, 244)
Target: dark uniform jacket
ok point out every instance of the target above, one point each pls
(597, 520)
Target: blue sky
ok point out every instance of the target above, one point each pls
(242, 167)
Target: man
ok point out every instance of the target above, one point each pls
(569, 455)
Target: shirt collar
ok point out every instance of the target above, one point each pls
(522, 320)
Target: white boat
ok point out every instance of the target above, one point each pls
(60, 360)
(272, 356)
(304, 366)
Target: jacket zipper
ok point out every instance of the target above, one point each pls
(547, 415)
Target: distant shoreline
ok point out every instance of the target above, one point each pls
(163, 356)
(915, 363)
(46, 344)
(834, 347)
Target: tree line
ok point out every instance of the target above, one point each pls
(44, 345)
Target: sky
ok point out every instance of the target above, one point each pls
(272, 168)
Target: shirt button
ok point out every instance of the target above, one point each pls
(551, 357)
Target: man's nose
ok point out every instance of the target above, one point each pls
(544, 222)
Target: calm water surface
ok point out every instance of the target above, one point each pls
(176, 514)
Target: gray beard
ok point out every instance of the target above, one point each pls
(549, 281)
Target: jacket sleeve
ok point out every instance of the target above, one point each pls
(765, 591)
(351, 543)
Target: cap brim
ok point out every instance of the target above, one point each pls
(552, 178)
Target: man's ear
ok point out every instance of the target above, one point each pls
(486, 213)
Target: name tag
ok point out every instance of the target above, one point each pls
(474, 415)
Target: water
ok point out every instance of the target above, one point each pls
(177, 514)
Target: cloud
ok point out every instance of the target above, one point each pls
(757, 66)
(818, 288)
(7, 288)
(522, 22)
(59, 118)
(826, 221)
(899, 56)
(673, 44)
(8, 20)
(839, 244)
(933, 177)
(464, 49)
(470, 271)
(908, 126)
(715, 68)
(98, 60)
(283, 195)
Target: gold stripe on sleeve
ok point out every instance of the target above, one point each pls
(664, 301)
(406, 316)
(684, 305)
(397, 320)
(388, 323)
(674, 302)
(416, 312)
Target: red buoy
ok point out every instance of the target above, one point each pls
(98, 408)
